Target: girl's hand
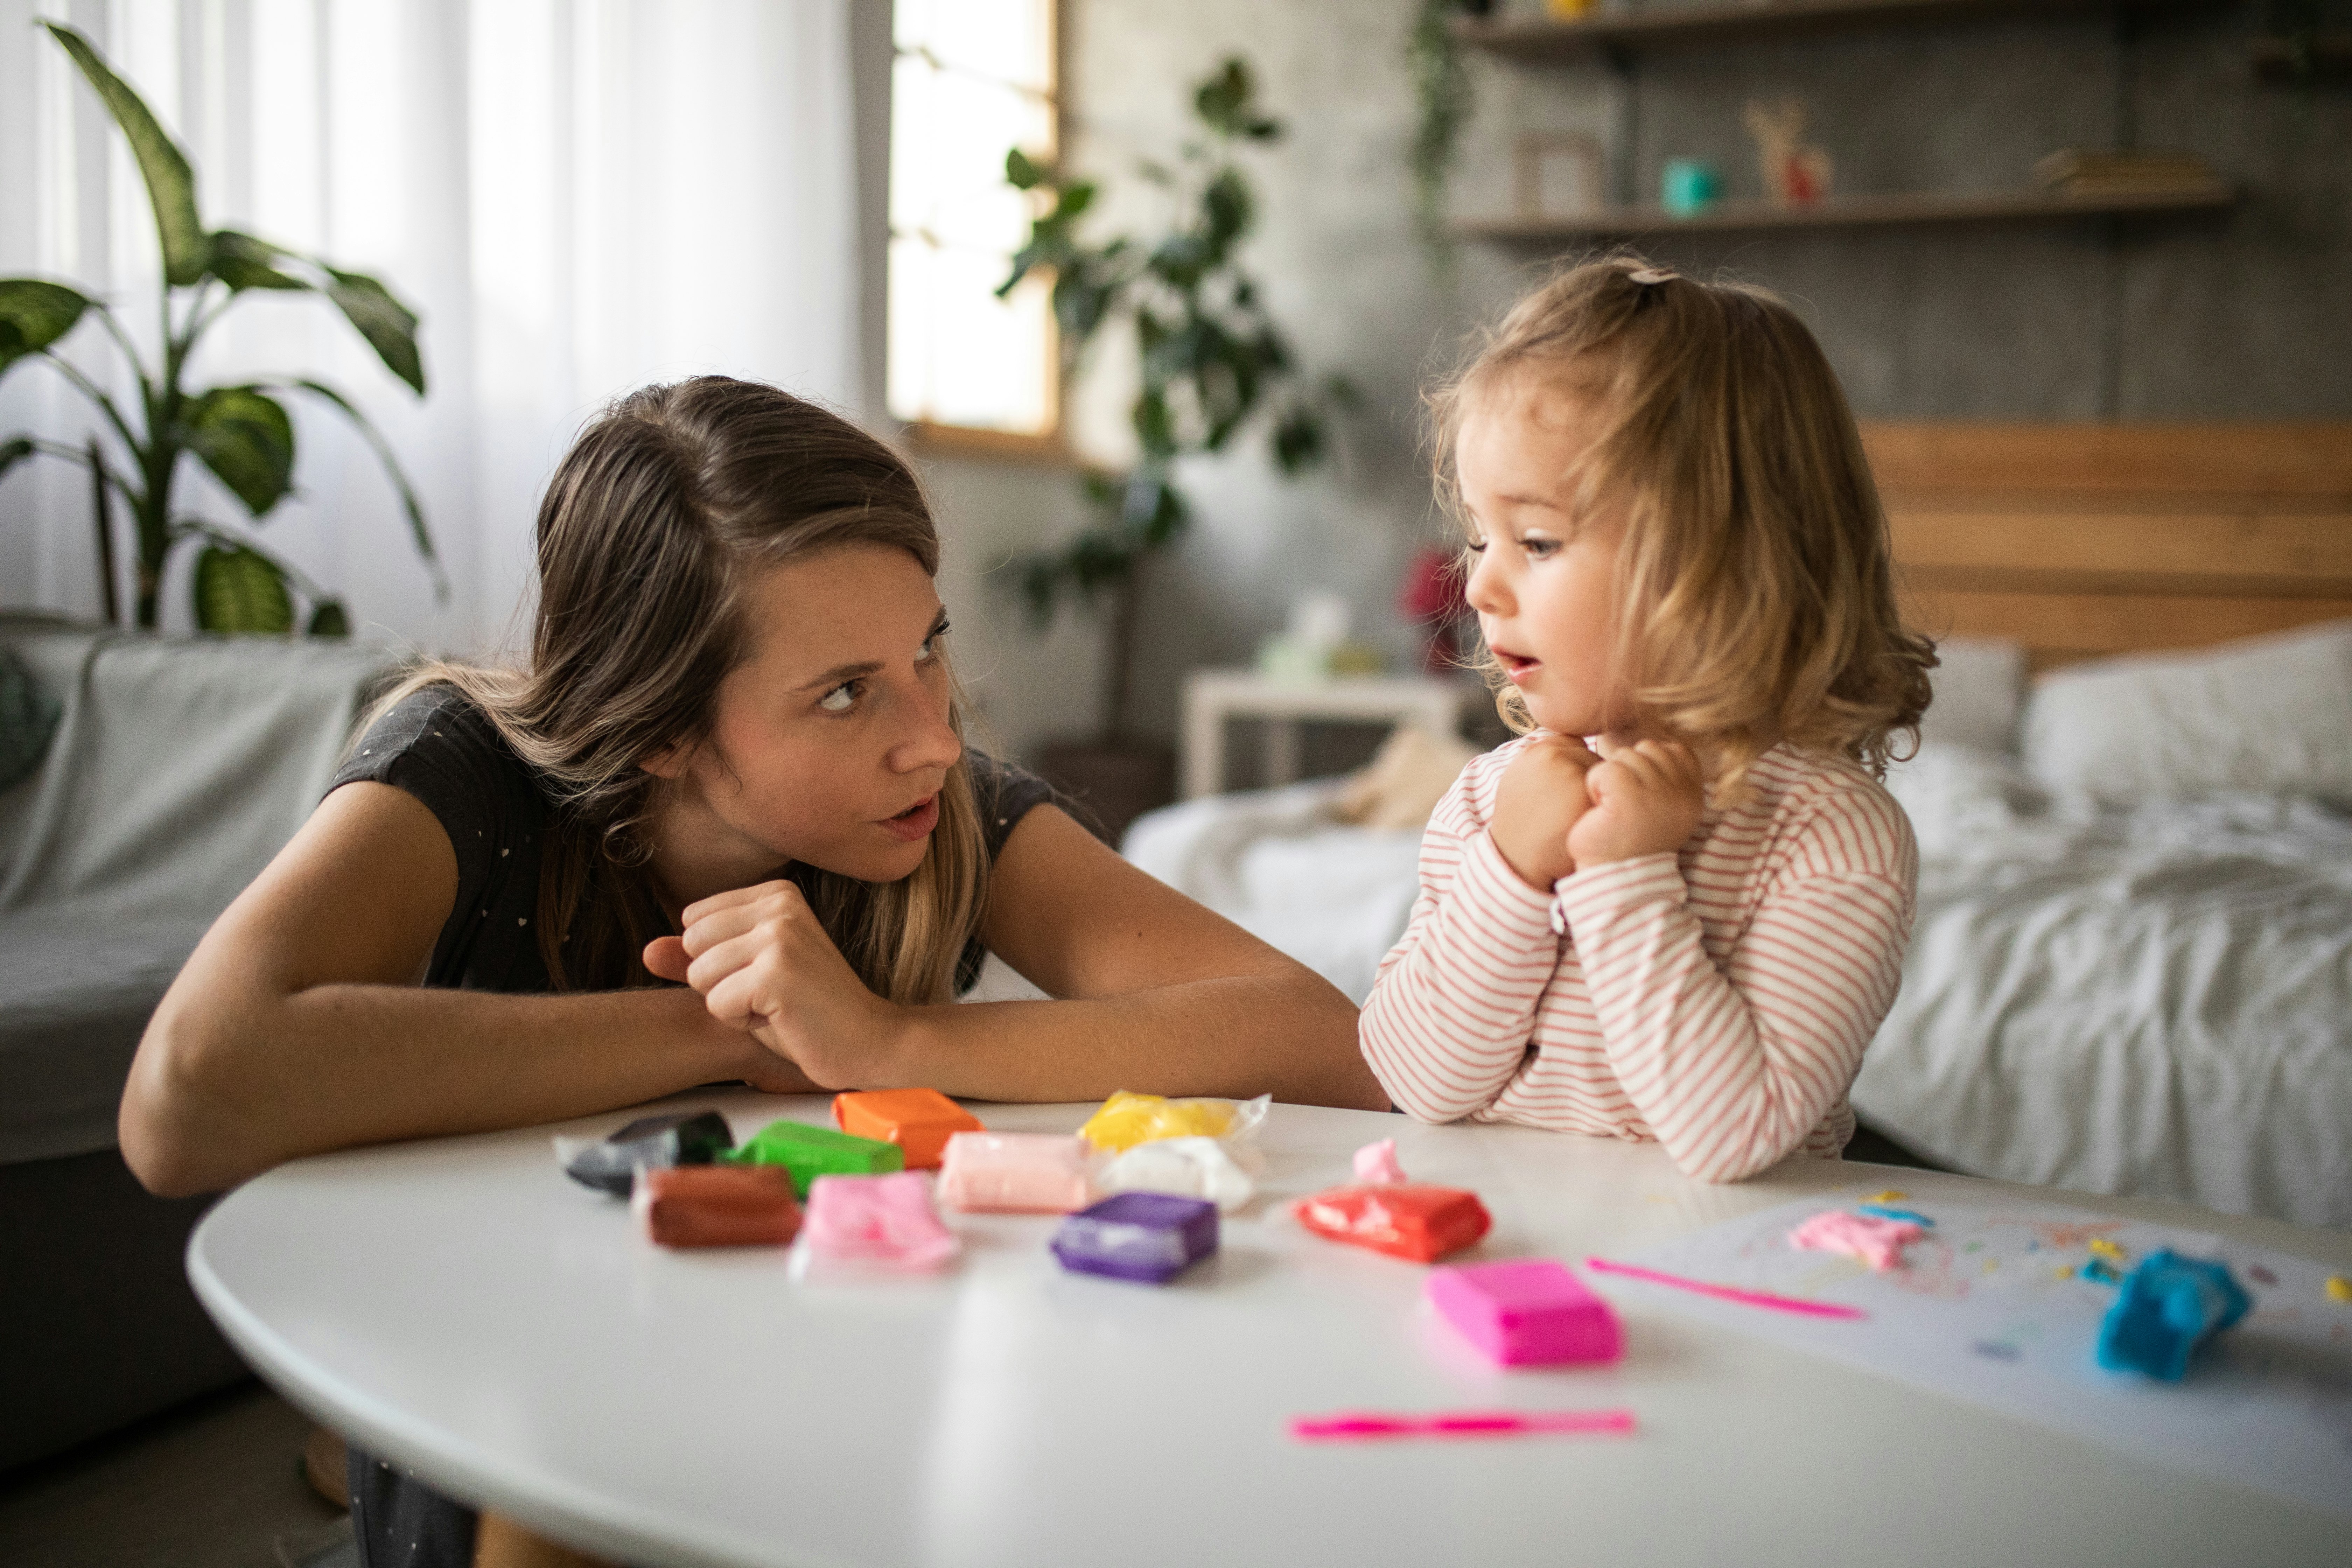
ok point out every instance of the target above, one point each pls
(1646, 800)
(1543, 795)
(762, 962)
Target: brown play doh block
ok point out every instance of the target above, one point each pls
(718, 1205)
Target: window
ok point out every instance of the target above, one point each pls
(971, 80)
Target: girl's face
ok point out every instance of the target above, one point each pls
(829, 742)
(1545, 582)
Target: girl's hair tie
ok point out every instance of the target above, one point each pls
(1649, 275)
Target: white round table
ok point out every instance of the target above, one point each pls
(461, 1308)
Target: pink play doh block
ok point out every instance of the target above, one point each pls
(1017, 1173)
(1531, 1313)
(1877, 1242)
(1377, 1163)
(884, 1221)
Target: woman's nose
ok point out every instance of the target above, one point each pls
(930, 740)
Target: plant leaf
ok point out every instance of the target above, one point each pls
(244, 437)
(408, 501)
(244, 262)
(1020, 171)
(389, 326)
(329, 620)
(241, 590)
(171, 184)
(34, 314)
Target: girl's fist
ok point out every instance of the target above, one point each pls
(1542, 797)
(1646, 800)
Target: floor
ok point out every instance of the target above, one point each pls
(215, 1483)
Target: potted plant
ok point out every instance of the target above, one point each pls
(1214, 366)
(241, 432)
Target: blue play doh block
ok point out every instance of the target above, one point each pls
(2168, 1306)
(1150, 1238)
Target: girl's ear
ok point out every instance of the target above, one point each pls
(669, 763)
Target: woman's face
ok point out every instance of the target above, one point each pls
(831, 741)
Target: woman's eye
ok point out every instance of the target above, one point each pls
(840, 699)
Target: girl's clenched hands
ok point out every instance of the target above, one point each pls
(1646, 799)
(1542, 797)
(762, 962)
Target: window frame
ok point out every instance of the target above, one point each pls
(1050, 445)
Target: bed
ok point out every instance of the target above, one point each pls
(2132, 971)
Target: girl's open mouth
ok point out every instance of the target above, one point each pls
(916, 822)
(1516, 666)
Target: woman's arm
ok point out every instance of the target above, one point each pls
(300, 1024)
(1163, 996)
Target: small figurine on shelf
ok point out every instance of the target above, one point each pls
(1796, 173)
(1688, 186)
(1432, 599)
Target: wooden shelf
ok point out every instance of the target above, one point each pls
(1851, 212)
(1537, 40)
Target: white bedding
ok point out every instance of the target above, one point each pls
(2153, 1000)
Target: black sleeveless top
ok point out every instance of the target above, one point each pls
(436, 745)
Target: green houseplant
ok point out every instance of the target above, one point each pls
(1213, 364)
(241, 431)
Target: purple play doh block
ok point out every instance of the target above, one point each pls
(1527, 1314)
(1146, 1237)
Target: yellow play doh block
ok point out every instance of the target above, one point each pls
(2106, 1250)
(1889, 1196)
(1126, 1119)
(2339, 1289)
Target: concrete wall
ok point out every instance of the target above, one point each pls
(2247, 315)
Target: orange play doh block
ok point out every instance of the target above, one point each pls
(718, 1205)
(918, 1121)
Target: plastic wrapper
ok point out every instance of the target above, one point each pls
(1149, 1238)
(1412, 1221)
(1526, 1313)
(809, 1152)
(717, 1205)
(1206, 1168)
(1377, 1163)
(1017, 1173)
(920, 1120)
(1126, 1119)
(878, 1222)
(648, 1143)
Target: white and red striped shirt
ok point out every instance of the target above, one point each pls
(1717, 999)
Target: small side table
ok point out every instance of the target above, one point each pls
(1213, 695)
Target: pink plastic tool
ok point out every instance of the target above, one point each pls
(1877, 1242)
(1377, 1163)
(1529, 1313)
(1764, 1299)
(1372, 1427)
(884, 1221)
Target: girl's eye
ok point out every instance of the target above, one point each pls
(1537, 547)
(841, 698)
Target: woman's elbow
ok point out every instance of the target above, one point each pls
(166, 1139)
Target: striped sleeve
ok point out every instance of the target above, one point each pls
(1732, 1066)
(1453, 1006)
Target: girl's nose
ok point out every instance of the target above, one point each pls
(1486, 591)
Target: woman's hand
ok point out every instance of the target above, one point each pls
(1543, 795)
(1646, 800)
(762, 962)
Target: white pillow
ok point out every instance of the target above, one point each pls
(2268, 714)
(1980, 684)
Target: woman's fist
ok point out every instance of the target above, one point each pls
(1646, 800)
(1542, 797)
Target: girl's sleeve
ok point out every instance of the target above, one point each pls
(1733, 1066)
(1454, 1004)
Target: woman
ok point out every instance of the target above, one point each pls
(735, 761)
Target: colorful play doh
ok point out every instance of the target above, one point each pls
(1126, 1119)
(1017, 1173)
(1150, 1238)
(717, 1205)
(884, 1222)
(1877, 1242)
(809, 1152)
(649, 1144)
(1526, 1313)
(2168, 1306)
(1377, 1163)
(1411, 1221)
(920, 1120)
(1188, 1167)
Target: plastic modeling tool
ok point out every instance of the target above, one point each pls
(1764, 1299)
(1360, 1427)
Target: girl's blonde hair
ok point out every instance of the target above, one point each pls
(649, 535)
(1756, 580)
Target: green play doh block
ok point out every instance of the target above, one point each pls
(808, 1152)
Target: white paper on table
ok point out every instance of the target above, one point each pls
(1987, 1308)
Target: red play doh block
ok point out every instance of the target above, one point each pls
(718, 1205)
(1404, 1220)
(1530, 1314)
(920, 1120)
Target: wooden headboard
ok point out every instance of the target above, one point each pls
(2080, 540)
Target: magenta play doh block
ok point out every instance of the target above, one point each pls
(1531, 1313)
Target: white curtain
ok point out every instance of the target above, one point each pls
(576, 196)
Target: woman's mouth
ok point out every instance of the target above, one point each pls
(916, 822)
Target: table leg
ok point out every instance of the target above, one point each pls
(1282, 750)
(500, 1542)
(1204, 746)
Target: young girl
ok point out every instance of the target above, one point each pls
(1678, 909)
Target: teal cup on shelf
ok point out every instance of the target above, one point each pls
(1687, 187)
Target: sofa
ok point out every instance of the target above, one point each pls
(175, 769)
